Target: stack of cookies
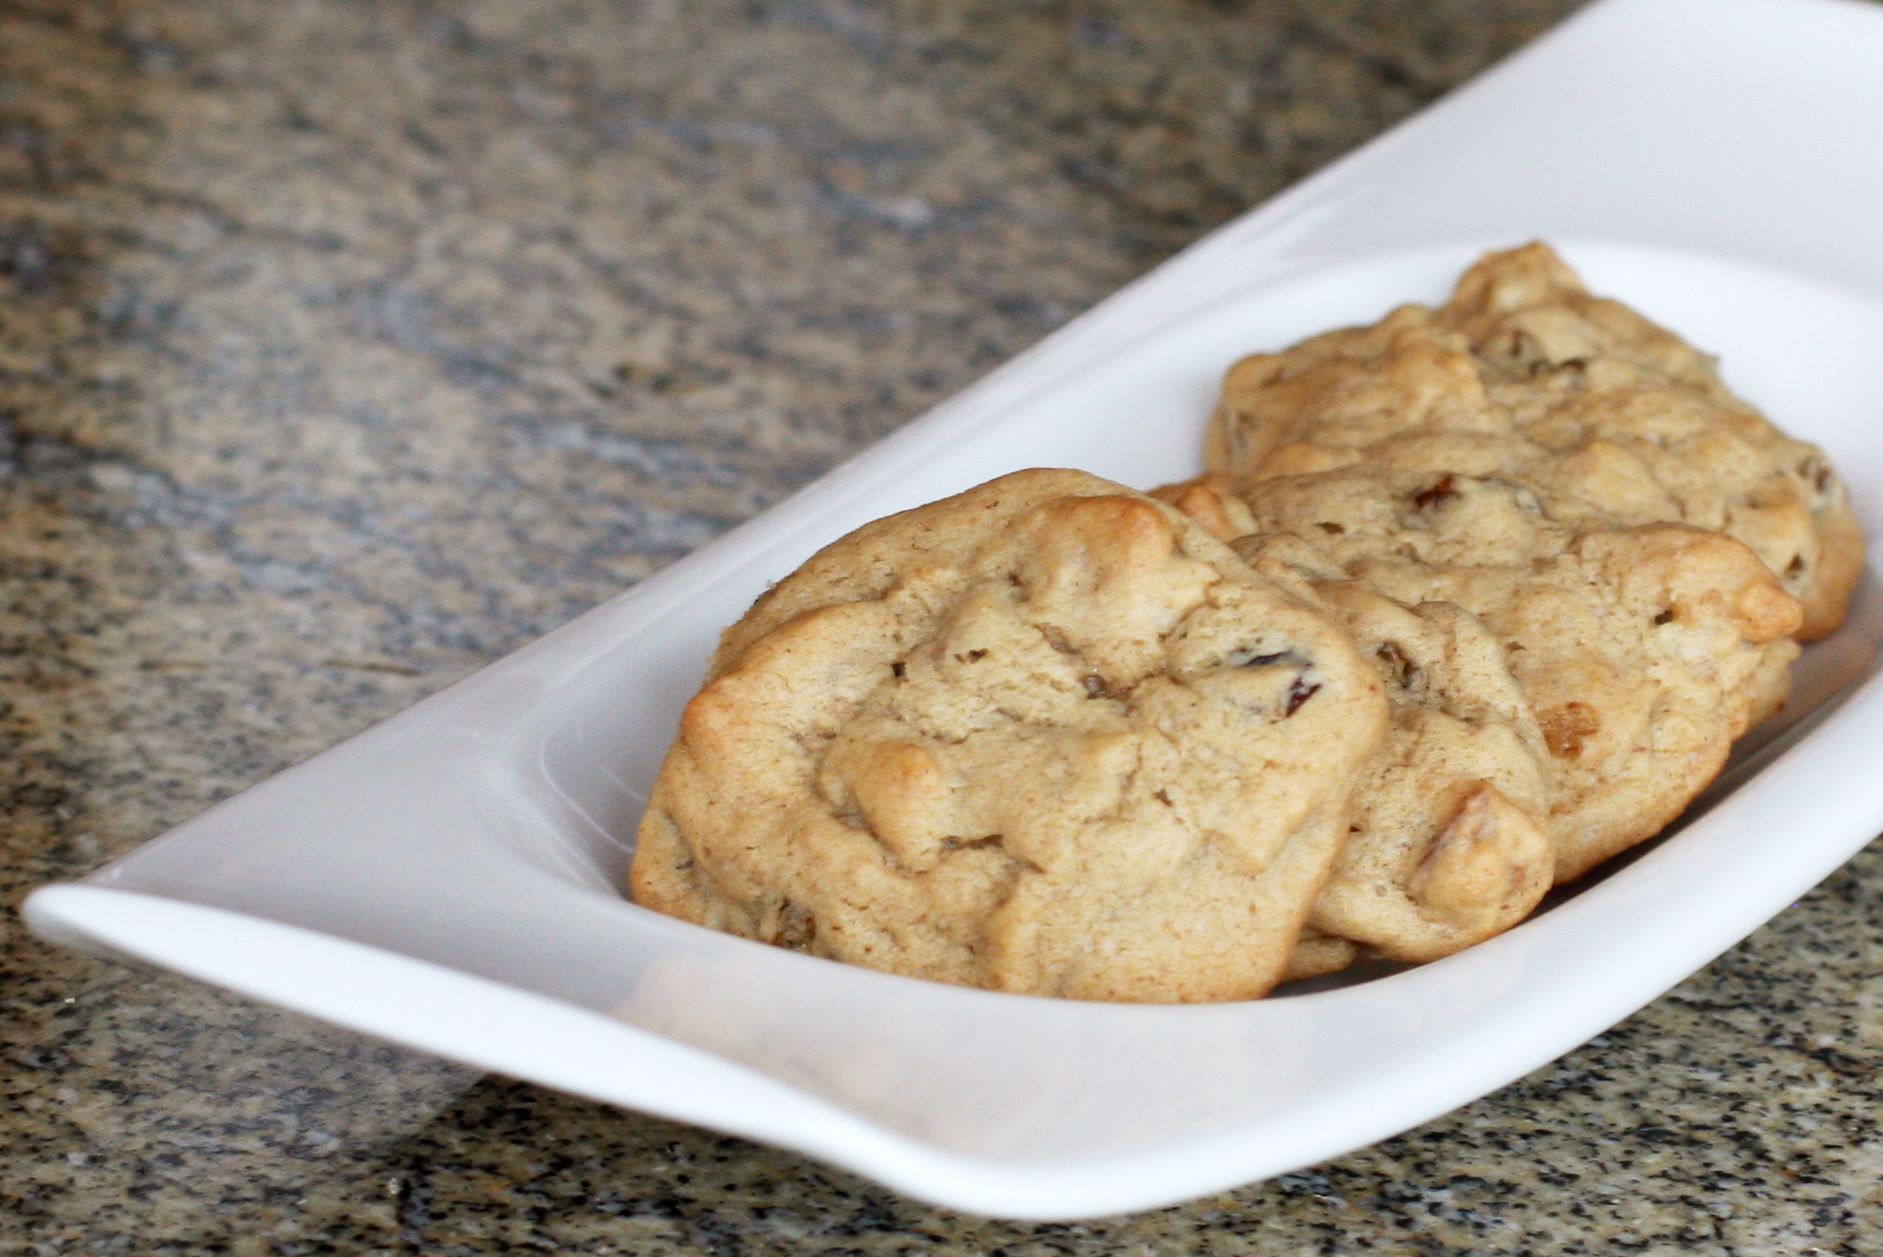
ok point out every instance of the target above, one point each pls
(1472, 600)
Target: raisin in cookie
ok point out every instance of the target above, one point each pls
(1450, 843)
(1047, 736)
(1525, 374)
(1643, 651)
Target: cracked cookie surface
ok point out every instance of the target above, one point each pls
(1525, 374)
(1048, 736)
(1643, 652)
(1449, 842)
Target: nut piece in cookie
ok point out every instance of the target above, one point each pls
(1525, 374)
(1047, 736)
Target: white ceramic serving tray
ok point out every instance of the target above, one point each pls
(445, 880)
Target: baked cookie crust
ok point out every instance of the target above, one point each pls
(1527, 375)
(1048, 736)
(1643, 652)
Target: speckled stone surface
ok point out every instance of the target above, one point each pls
(344, 346)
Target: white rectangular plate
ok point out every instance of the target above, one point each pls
(445, 880)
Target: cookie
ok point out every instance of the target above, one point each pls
(1643, 652)
(1524, 374)
(1048, 736)
(1449, 841)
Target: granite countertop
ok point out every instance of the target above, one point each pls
(347, 345)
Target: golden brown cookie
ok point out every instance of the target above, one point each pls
(1047, 736)
(1524, 374)
(1643, 652)
(1449, 842)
